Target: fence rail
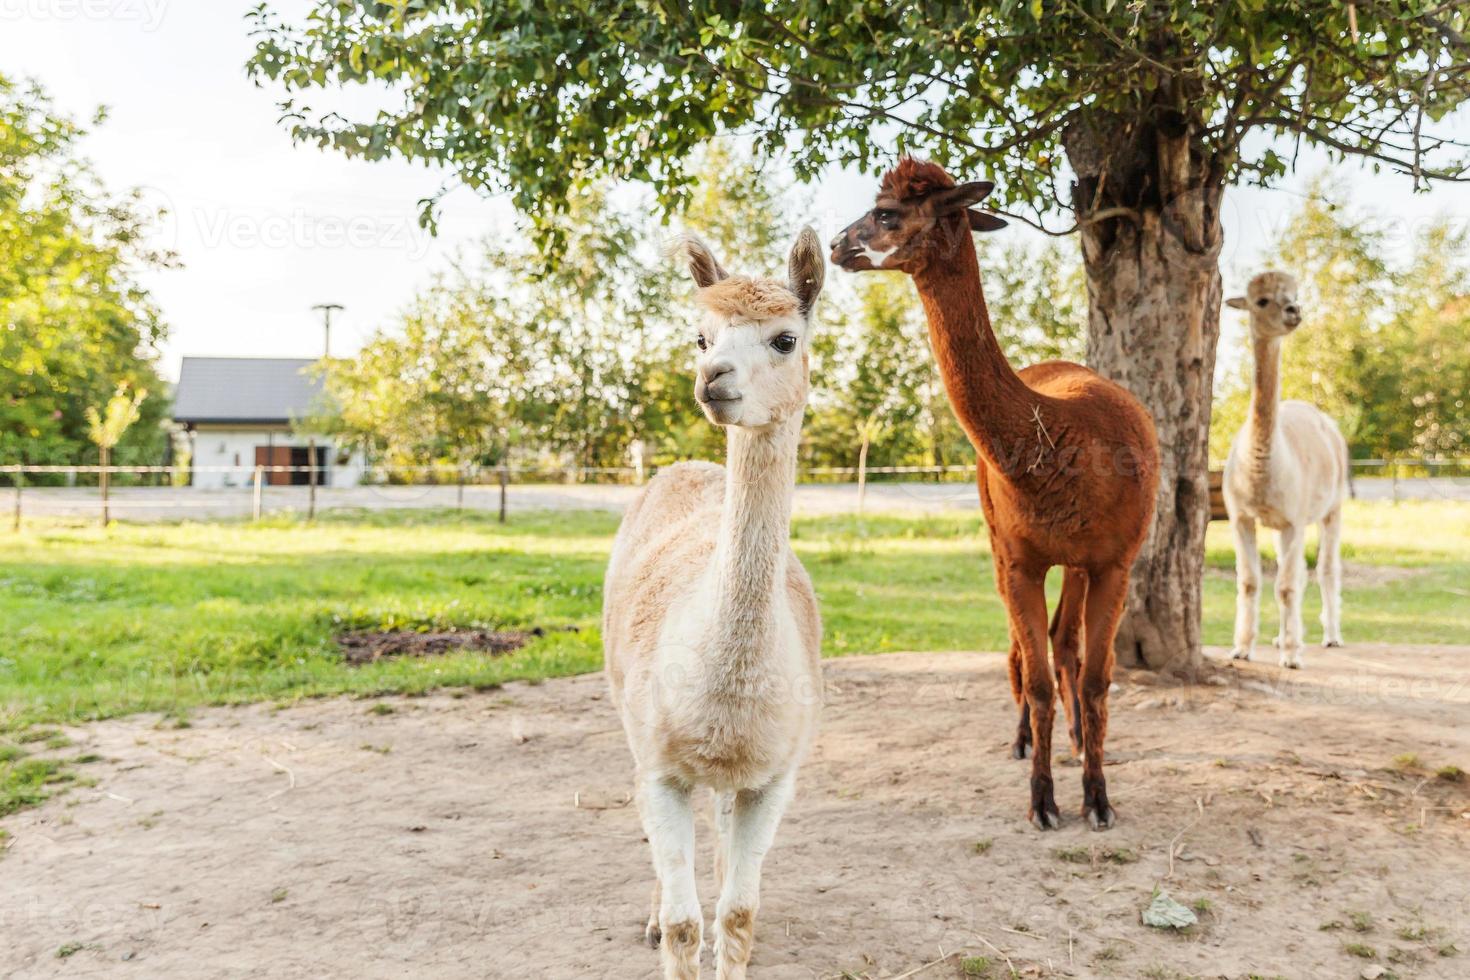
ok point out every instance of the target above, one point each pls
(66, 487)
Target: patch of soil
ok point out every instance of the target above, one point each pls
(366, 646)
(1309, 818)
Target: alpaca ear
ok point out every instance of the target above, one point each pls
(981, 221)
(1237, 303)
(959, 198)
(703, 266)
(806, 270)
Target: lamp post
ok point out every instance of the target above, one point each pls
(327, 310)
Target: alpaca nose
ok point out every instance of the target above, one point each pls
(716, 382)
(848, 241)
(715, 370)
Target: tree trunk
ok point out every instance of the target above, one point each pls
(1153, 284)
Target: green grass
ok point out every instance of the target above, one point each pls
(165, 617)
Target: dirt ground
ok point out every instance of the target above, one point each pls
(486, 835)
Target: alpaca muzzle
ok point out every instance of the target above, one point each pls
(848, 252)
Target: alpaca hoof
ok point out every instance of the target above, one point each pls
(1103, 821)
(1046, 819)
(1021, 750)
(1331, 643)
(1240, 653)
(1291, 662)
(652, 933)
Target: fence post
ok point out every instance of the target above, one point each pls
(459, 490)
(311, 479)
(1393, 467)
(255, 493)
(103, 477)
(15, 522)
(503, 476)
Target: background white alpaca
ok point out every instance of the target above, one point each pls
(1287, 469)
(710, 626)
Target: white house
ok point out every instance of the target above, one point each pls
(238, 413)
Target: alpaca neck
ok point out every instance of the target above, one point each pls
(993, 405)
(1265, 394)
(755, 527)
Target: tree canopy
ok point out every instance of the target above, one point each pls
(75, 324)
(534, 98)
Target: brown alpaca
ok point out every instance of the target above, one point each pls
(1069, 463)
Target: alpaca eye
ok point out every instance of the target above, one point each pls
(703, 344)
(1262, 302)
(888, 219)
(785, 343)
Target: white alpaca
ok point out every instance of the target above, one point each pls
(1287, 469)
(710, 626)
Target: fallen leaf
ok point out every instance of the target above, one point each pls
(1165, 913)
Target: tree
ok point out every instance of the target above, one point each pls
(1434, 316)
(450, 385)
(1037, 297)
(73, 320)
(1135, 117)
(874, 381)
(106, 431)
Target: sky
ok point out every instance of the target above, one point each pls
(265, 229)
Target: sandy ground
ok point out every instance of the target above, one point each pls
(484, 835)
(179, 503)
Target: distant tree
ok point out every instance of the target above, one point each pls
(1037, 295)
(451, 384)
(874, 380)
(106, 430)
(74, 320)
(1135, 117)
(1433, 314)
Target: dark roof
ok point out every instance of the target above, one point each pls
(245, 389)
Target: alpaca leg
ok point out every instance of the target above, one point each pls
(668, 820)
(1247, 586)
(651, 931)
(1021, 747)
(753, 821)
(1329, 577)
(724, 804)
(1106, 591)
(1025, 597)
(1066, 642)
(1291, 578)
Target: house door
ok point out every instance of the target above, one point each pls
(276, 456)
